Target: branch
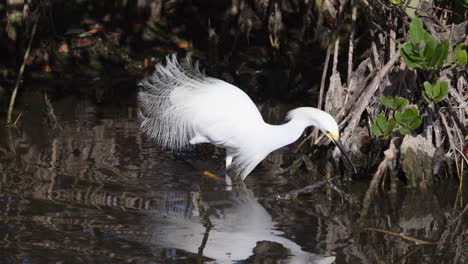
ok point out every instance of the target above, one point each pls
(356, 112)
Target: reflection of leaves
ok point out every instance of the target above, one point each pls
(394, 102)
(434, 93)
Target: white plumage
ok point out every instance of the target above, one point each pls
(182, 107)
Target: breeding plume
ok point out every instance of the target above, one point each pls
(182, 107)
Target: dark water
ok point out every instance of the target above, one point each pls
(98, 192)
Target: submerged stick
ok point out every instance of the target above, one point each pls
(21, 71)
(412, 239)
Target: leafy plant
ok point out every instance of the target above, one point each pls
(423, 51)
(408, 120)
(434, 93)
(394, 102)
(382, 126)
(459, 55)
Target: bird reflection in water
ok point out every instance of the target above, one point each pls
(239, 227)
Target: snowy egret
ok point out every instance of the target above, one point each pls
(181, 107)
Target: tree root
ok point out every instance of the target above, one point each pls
(388, 162)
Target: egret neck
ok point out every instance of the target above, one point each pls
(279, 136)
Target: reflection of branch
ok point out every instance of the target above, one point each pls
(203, 244)
(408, 254)
(350, 199)
(415, 240)
(207, 224)
(307, 189)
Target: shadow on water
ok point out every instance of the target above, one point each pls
(98, 192)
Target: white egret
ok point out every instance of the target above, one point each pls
(182, 106)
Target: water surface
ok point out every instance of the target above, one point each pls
(97, 191)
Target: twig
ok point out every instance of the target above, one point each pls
(21, 71)
(351, 46)
(450, 137)
(335, 63)
(385, 33)
(463, 155)
(322, 88)
(15, 122)
(324, 75)
(393, 35)
(412, 239)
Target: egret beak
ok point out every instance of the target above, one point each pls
(338, 143)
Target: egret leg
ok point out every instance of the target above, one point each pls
(228, 179)
(228, 182)
(228, 161)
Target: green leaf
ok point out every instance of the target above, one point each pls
(381, 121)
(400, 102)
(394, 102)
(415, 123)
(443, 91)
(375, 129)
(436, 89)
(428, 89)
(431, 44)
(440, 54)
(420, 47)
(411, 113)
(388, 101)
(391, 124)
(416, 30)
(459, 55)
(404, 131)
(435, 92)
(407, 117)
(382, 126)
(427, 98)
(409, 57)
(399, 118)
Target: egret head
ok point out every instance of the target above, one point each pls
(323, 121)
